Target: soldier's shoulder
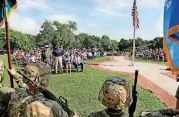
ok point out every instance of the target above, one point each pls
(98, 114)
(104, 114)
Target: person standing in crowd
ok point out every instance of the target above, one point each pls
(48, 54)
(58, 53)
(115, 94)
(43, 56)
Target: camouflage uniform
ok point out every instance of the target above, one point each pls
(161, 113)
(28, 104)
(115, 94)
(170, 112)
(5, 92)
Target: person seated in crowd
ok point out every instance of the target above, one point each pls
(77, 60)
(67, 59)
(115, 95)
(37, 56)
(32, 58)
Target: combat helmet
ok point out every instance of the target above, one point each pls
(38, 72)
(115, 93)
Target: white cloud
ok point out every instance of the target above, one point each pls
(108, 4)
(33, 4)
(93, 25)
(116, 7)
(24, 24)
(81, 29)
(111, 12)
(62, 18)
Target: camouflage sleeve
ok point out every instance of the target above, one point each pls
(161, 113)
(177, 93)
(57, 110)
(169, 112)
(18, 79)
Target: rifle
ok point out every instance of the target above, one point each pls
(132, 107)
(61, 100)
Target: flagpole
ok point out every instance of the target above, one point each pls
(8, 41)
(133, 52)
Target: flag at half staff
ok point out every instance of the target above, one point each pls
(135, 15)
(171, 34)
(11, 5)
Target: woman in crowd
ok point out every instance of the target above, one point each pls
(67, 58)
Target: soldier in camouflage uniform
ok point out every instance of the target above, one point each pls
(115, 94)
(31, 103)
(170, 112)
(4, 92)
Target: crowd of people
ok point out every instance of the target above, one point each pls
(115, 93)
(64, 60)
(157, 54)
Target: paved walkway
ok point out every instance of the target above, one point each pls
(150, 71)
(150, 77)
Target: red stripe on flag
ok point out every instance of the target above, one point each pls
(135, 15)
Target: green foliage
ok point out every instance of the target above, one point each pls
(17, 40)
(46, 34)
(139, 42)
(63, 33)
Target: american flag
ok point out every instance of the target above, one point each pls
(135, 15)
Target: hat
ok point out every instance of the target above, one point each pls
(115, 93)
(46, 46)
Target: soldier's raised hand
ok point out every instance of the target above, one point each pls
(12, 71)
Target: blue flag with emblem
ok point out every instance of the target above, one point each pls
(171, 34)
(11, 6)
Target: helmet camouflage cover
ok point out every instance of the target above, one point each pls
(40, 70)
(115, 93)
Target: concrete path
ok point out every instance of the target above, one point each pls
(150, 71)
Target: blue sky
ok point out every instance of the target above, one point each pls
(98, 17)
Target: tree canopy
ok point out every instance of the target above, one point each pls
(63, 33)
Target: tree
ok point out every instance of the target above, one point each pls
(72, 25)
(17, 40)
(79, 40)
(63, 34)
(46, 34)
(123, 44)
(114, 44)
(139, 42)
(106, 42)
(158, 42)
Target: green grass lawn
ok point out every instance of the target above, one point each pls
(81, 90)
